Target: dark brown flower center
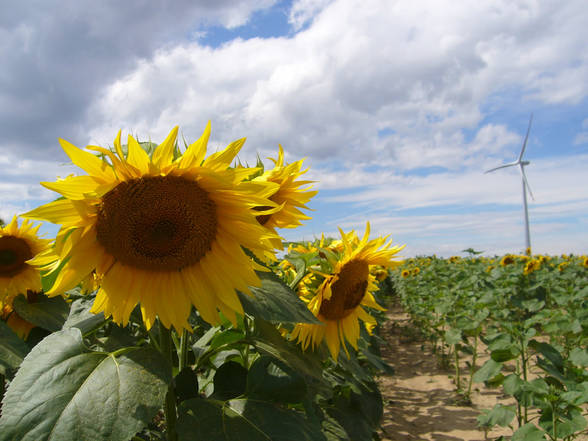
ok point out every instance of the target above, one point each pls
(14, 252)
(347, 292)
(158, 223)
(263, 218)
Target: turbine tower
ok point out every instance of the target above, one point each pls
(525, 183)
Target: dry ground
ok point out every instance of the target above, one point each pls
(420, 402)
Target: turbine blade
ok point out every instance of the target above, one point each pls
(527, 186)
(510, 164)
(526, 138)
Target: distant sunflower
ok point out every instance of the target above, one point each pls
(340, 299)
(531, 266)
(405, 273)
(507, 260)
(290, 195)
(19, 325)
(17, 247)
(585, 262)
(166, 231)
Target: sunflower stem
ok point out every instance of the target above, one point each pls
(165, 344)
(183, 352)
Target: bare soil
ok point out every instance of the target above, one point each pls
(420, 399)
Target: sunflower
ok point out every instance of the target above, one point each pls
(166, 231)
(340, 298)
(531, 266)
(289, 195)
(405, 273)
(508, 259)
(19, 325)
(17, 247)
(585, 262)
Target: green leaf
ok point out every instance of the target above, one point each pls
(269, 341)
(230, 380)
(528, 432)
(49, 313)
(270, 380)
(489, 370)
(548, 352)
(505, 354)
(64, 391)
(512, 384)
(300, 265)
(12, 350)
(186, 384)
(226, 337)
(242, 420)
(498, 415)
(579, 357)
(453, 336)
(80, 316)
(275, 301)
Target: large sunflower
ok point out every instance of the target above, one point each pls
(290, 195)
(17, 247)
(166, 231)
(340, 298)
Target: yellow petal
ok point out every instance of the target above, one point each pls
(222, 160)
(194, 154)
(163, 154)
(74, 187)
(87, 161)
(62, 211)
(137, 157)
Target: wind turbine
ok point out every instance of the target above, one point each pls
(526, 186)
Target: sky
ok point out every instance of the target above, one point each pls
(397, 106)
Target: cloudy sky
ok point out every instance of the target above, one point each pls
(398, 106)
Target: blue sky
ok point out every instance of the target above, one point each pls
(397, 106)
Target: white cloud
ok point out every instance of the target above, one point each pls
(422, 69)
(303, 11)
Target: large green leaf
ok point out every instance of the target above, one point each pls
(242, 420)
(12, 350)
(489, 370)
(80, 316)
(528, 432)
(274, 301)
(270, 380)
(230, 380)
(49, 313)
(498, 415)
(64, 391)
(268, 341)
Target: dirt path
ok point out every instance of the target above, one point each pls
(420, 399)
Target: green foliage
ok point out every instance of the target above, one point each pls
(64, 390)
(528, 320)
(94, 380)
(12, 350)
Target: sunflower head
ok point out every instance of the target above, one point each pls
(585, 262)
(291, 194)
(19, 325)
(405, 273)
(165, 230)
(341, 295)
(17, 247)
(531, 266)
(507, 260)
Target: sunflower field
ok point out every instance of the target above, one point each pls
(520, 322)
(160, 311)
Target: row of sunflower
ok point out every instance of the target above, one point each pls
(160, 310)
(526, 316)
